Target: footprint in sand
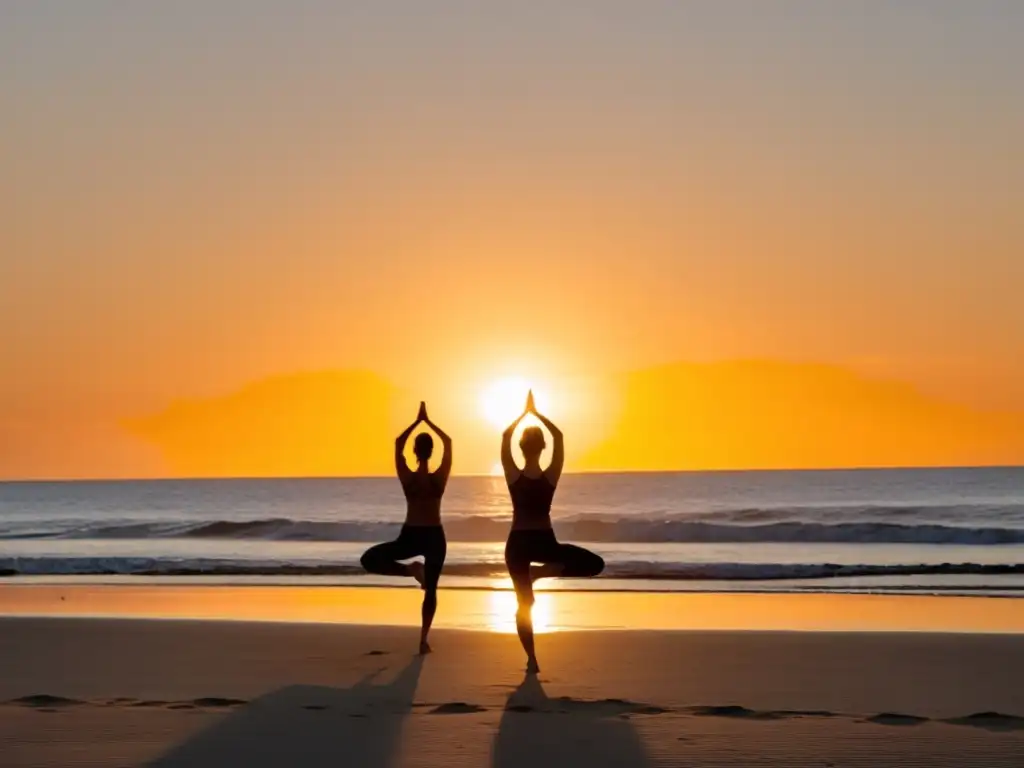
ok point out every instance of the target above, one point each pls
(620, 707)
(218, 702)
(45, 700)
(733, 710)
(456, 708)
(648, 709)
(990, 721)
(805, 713)
(896, 718)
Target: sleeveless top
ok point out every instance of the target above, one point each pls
(531, 498)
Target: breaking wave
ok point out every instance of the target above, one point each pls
(157, 566)
(581, 528)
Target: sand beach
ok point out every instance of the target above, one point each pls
(81, 690)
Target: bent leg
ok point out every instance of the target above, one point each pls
(568, 561)
(578, 562)
(382, 559)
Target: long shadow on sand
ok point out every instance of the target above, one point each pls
(538, 731)
(308, 725)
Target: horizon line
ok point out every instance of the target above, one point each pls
(723, 471)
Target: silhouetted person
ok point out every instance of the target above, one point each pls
(531, 539)
(422, 533)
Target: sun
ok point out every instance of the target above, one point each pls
(503, 400)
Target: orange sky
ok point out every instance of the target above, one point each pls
(202, 205)
(683, 416)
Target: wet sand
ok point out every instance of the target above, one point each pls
(494, 610)
(171, 692)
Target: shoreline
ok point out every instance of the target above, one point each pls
(608, 585)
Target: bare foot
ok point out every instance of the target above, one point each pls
(416, 571)
(425, 648)
(532, 667)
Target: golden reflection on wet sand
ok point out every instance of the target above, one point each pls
(494, 610)
(501, 603)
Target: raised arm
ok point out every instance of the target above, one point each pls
(508, 463)
(554, 470)
(401, 466)
(445, 468)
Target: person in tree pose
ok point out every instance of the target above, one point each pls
(531, 538)
(422, 533)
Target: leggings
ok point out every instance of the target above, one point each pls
(541, 546)
(412, 541)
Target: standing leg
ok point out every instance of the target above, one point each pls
(518, 563)
(433, 564)
(524, 620)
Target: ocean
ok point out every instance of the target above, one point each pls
(942, 531)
